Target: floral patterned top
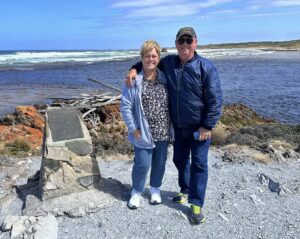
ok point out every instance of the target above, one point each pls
(155, 104)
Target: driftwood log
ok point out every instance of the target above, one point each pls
(89, 104)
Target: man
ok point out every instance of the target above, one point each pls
(195, 102)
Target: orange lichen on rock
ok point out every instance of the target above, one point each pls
(26, 124)
(29, 115)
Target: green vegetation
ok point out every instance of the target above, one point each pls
(278, 45)
(17, 147)
(258, 136)
(111, 139)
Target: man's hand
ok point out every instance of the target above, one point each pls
(130, 76)
(137, 134)
(205, 134)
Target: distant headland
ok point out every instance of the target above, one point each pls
(293, 45)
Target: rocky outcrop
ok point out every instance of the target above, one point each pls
(239, 125)
(21, 133)
(25, 115)
(240, 128)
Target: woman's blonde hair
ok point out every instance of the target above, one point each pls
(148, 46)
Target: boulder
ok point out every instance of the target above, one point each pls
(43, 227)
(22, 132)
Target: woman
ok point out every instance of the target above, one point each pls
(144, 108)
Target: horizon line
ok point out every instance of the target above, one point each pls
(209, 44)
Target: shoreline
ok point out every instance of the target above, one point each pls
(169, 50)
(38, 85)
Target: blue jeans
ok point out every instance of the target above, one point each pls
(192, 175)
(144, 159)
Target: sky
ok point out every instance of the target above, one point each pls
(126, 24)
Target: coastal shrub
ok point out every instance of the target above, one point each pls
(218, 137)
(107, 143)
(258, 136)
(236, 116)
(18, 146)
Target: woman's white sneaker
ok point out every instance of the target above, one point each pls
(135, 200)
(155, 196)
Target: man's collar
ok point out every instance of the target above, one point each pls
(193, 58)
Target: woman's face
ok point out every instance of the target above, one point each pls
(150, 60)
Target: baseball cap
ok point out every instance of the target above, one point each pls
(186, 31)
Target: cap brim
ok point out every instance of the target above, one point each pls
(188, 34)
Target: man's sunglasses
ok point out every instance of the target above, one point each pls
(189, 41)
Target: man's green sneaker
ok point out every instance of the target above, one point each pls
(180, 198)
(196, 216)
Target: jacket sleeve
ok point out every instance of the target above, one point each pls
(127, 108)
(137, 66)
(213, 98)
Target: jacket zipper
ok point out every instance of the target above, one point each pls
(142, 111)
(178, 87)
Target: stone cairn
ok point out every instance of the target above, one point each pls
(69, 164)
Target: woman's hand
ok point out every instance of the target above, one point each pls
(137, 134)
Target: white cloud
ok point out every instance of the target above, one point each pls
(164, 11)
(143, 3)
(226, 11)
(258, 4)
(165, 8)
(210, 3)
(281, 3)
(267, 14)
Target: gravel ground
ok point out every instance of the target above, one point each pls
(237, 205)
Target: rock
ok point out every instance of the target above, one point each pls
(240, 153)
(272, 185)
(284, 190)
(78, 204)
(29, 116)
(88, 180)
(76, 212)
(217, 165)
(223, 217)
(256, 199)
(31, 227)
(291, 154)
(33, 207)
(8, 223)
(24, 127)
(80, 147)
(69, 163)
(181, 215)
(282, 151)
(236, 116)
(46, 228)
(228, 156)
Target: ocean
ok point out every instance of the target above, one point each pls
(266, 81)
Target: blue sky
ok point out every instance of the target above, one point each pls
(125, 24)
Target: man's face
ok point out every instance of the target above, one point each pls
(186, 45)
